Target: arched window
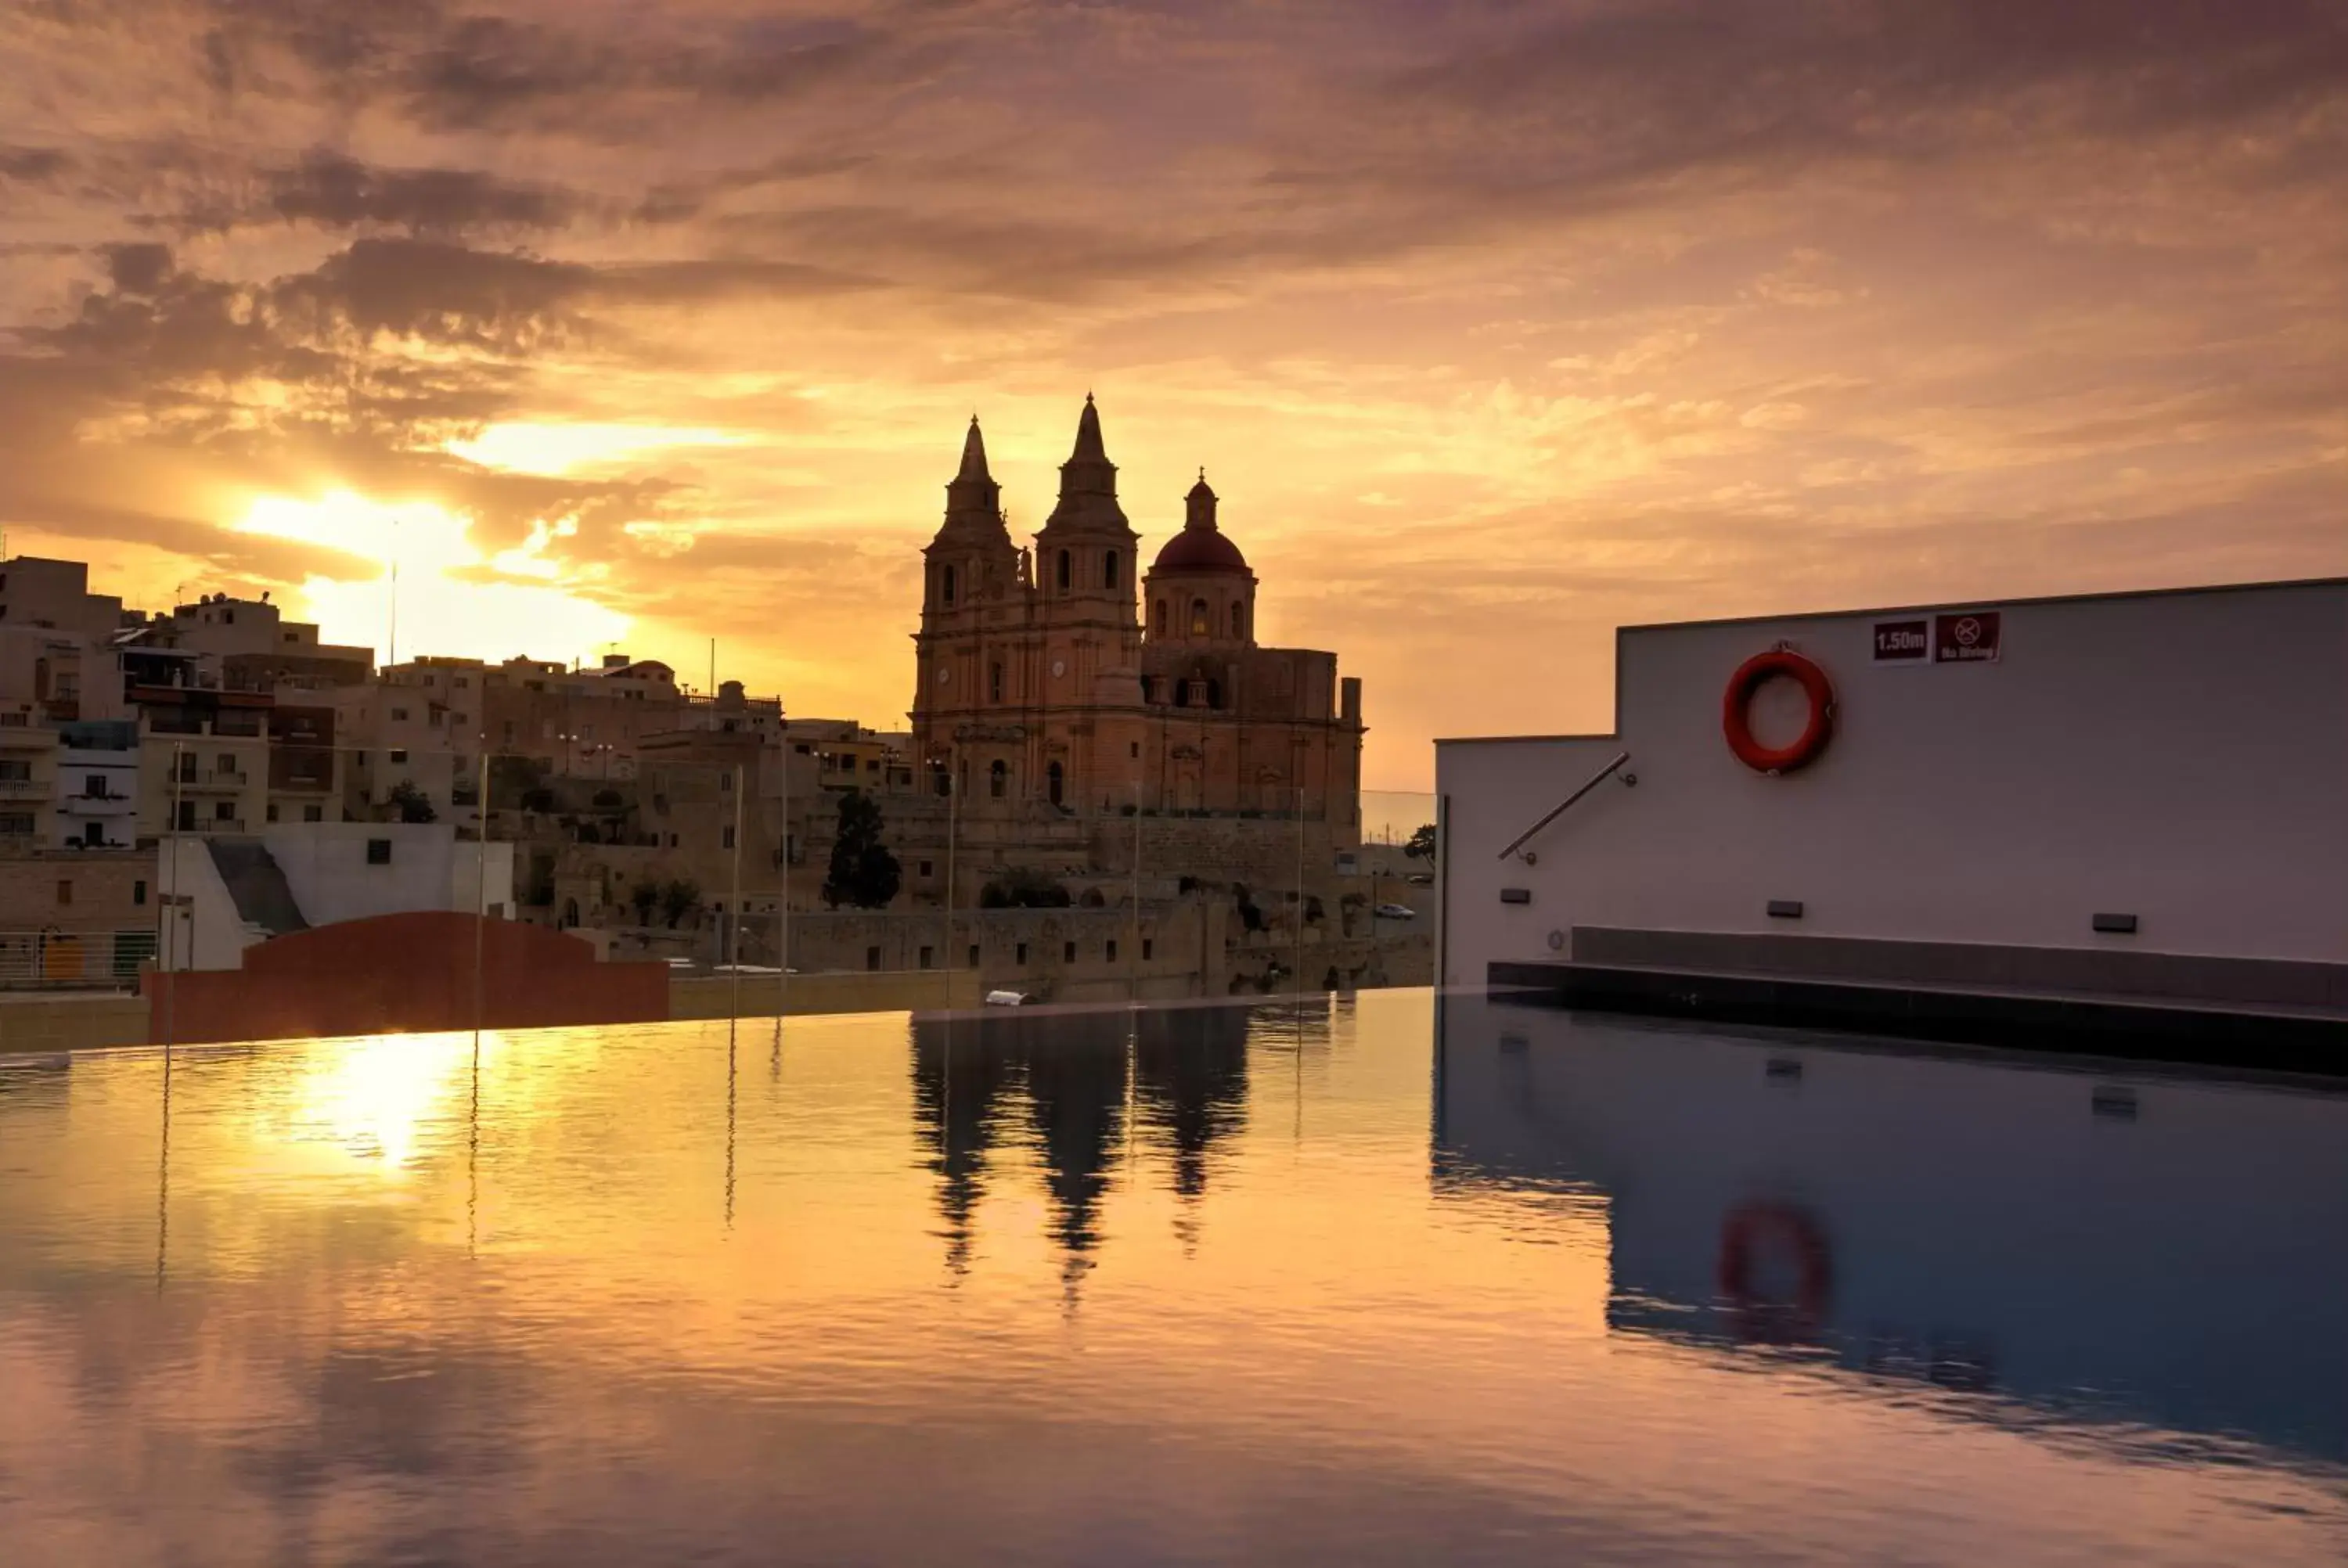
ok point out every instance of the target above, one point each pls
(1239, 620)
(1054, 780)
(1068, 571)
(1108, 571)
(1199, 625)
(1158, 619)
(998, 775)
(946, 592)
(994, 682)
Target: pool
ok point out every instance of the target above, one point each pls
(1385, 1279)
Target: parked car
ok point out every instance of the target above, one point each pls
(1009, 999)
(1396, 912)
(1423, 879)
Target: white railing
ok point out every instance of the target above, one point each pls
(74, 960)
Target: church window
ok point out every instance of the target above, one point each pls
(1199, 625)
(1057, 782)
(1158, 619)
(994, 682)
(1239, 620)
(997, 777)
(1108, 571)
(1068, 571)
(947, 588)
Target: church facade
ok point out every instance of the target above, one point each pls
(1064, 676)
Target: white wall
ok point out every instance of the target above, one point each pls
(326, 864)
(205, 932)
(2182, 757)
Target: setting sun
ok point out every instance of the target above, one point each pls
(436, 590)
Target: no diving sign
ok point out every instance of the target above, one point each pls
(1967, 638)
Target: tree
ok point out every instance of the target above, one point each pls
(863, 873)
(413, 803)
(1421, 846)
(678, 899)
(645, 896)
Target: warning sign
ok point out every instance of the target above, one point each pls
(1968, 638)
(1902, 641)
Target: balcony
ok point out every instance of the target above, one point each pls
(11, 789)
(84, 805)
(212, 782)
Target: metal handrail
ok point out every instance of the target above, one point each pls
(1600, 777)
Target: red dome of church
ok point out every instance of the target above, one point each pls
(1200, 546)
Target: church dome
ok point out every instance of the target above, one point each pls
(1200, 546)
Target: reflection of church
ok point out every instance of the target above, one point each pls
(1187, 1068)
(1039, 683)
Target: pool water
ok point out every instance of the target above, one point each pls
(1393, 1279)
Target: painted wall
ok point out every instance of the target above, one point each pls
(2178, 756)
(202, 928)
(326, 864)
(405, 973)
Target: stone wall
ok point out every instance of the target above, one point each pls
(1258, 851)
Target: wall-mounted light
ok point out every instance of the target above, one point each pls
(1785, 908)
(1516, 895)
(2116, 925)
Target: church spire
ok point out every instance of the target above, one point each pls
(1089, 448)
(974, 455)
(974, 500)
(1088, 477)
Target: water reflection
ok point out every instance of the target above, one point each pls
(1081, 1082)
(1171, 1287)
(2154, 1261)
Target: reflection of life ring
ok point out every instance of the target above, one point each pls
(1736, 721)
(1753, 1228)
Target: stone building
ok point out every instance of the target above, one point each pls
(1039, 684)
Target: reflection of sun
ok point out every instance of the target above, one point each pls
(375, 1096)
(451, 597)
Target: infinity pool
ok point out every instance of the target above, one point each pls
(1384, 1280)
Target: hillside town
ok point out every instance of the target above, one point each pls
(1090, 799)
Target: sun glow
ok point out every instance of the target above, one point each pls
(522, 448)
(436, 591)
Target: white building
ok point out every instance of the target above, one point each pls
(2132, 793)
(224, 895)
(98, 785)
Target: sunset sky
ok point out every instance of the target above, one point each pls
(1494, 324)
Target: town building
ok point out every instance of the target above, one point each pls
(257, 647)
(98, 784)
(227, 894)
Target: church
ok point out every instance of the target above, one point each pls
(1040, 684)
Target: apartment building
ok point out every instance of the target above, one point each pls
(255, 645)
(95, 804)
(414, 734)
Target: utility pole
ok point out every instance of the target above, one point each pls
(734, 906)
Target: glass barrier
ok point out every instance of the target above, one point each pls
(250, 888)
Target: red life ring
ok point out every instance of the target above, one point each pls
(1748, 1229)
(1736, 722)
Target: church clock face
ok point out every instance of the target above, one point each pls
(944, 675)
(1059, 668)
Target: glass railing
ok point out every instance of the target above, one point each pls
(709, 876)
